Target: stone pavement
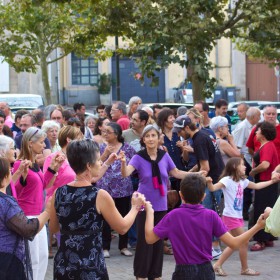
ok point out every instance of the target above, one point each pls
(266, 261)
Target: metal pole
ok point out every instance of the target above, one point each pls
(278, 88)
(117, 69)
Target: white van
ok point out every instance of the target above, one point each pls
(19, 101)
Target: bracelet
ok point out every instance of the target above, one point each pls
(52, 171)
(106, 165)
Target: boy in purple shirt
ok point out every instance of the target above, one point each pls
(190, 229)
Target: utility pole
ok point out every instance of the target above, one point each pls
(117, 68)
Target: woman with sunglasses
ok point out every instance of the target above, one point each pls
(30, 193)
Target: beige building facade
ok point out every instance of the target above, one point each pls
(73, 79)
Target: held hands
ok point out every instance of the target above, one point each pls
(267, 212)
(138, 201)
(275, 176)
(261, 221)
(149, 208)
(122, 157)
(113, 157)
(208, 180)
(57, 161)
(24, 166)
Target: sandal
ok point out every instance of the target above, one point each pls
(219, 271)
(269, 243)
(250, 272)
(167, 250)
(258, 246)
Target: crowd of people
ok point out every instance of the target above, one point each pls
(71, 180)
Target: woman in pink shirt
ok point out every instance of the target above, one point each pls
(30, 194)
(62, 175)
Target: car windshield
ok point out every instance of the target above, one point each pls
(22, 102)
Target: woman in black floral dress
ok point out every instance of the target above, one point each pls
(78, 211)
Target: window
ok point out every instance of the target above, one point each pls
(84, 71)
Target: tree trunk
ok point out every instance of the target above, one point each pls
(45, 80)
(197, 86)
(44, 71)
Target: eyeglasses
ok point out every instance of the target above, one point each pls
(107, 132)
(114, 110)
(134, 120)
(33, 134)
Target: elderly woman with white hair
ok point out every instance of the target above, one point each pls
(224, 139)
(90, 122)
(51, 128)
(133, 104)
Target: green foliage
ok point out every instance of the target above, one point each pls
(30, 30)
(104, 83)
(184, 32)
(261, 40)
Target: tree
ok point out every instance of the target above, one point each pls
(31, 30)
(261, 40)
(163, 30)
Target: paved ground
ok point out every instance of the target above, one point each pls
(267, 262)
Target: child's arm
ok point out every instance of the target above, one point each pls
(260, 185)
(150, 236)
(212, 187)
(235, 242)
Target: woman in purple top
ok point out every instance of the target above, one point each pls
(112, 181)
(153, 166)
(14, 228)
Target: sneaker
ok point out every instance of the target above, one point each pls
(106, 254)
(126, 252)
(216, 254)
(132, 246)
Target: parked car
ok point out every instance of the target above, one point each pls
(251, 103)
(175, 106)
(184, 94)
(232, 111)
(17, 101)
